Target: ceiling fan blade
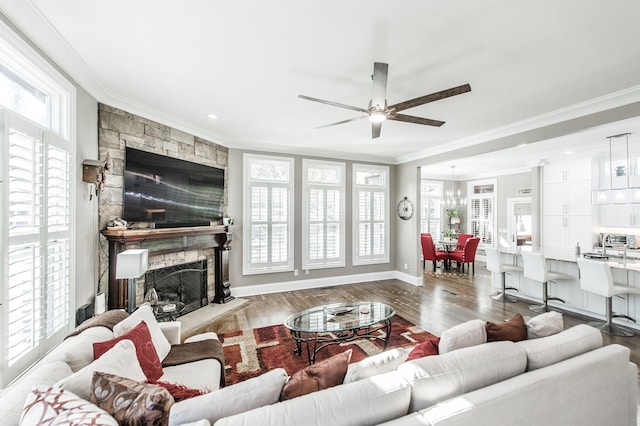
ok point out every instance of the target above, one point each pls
(340, 122)
(415, 120)
(375, 130)
(380, 71)
(322, 101)
(431, 98)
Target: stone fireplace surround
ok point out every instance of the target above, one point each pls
(118, 129)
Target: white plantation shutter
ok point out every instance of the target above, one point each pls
(323, 217)
(39, 244)
(268, 214)
(481, 213)
(371, 214)
(431, 206)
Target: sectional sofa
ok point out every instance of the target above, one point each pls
(563, 378)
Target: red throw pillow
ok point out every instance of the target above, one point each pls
(145, 351)
(426, 348)
(515, 330)
(322, 375)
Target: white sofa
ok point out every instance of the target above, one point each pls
(76, 352)
(564, 379)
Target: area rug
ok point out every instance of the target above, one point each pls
(249, 353)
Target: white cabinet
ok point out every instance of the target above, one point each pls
(566, 204)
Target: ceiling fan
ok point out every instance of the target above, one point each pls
(378, 110)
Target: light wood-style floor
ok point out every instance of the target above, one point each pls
(443, 301)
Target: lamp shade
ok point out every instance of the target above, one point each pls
(132, 263)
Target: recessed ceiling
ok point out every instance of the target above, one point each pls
(528, 63)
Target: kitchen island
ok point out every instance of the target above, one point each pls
(624, 271)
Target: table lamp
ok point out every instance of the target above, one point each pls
(131, 264)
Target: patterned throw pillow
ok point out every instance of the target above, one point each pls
(130, 402)
(145, 351)
(49, 405)
(322, 375)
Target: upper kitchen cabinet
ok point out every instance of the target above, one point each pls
(621, 168)
(567, 171)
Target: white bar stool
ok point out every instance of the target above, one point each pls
(595, 277)
(494, 264)
(535, 268)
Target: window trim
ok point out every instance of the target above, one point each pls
(358, 260)
(306, 186)
(247, 269)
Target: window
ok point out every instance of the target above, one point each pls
(481, 214)
(431, 209)
(36, 235)
(323, 217)
(370, 214)
(268, 214)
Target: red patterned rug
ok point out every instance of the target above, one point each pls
(249, 353)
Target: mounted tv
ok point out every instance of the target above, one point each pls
(165, 190)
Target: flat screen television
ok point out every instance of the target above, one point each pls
(165, 190)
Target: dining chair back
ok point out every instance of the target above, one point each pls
(429, 251)
(467, 254)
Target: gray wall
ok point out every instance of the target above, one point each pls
(235, 202)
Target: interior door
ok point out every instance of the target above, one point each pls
(519, 221)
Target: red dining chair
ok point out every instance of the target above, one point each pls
(467, 254)
(429, 251)
(462, 238)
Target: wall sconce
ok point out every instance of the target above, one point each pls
(131, 264)
(93, 171)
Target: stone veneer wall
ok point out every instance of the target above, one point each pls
(118, 129)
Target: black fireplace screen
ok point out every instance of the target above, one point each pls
(186, 283)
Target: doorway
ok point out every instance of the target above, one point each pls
(519, 221)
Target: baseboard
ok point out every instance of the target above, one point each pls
(410, 279)
(252, 290)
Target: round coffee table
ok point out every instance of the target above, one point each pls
(326, 325)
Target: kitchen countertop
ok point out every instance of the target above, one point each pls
(632, 263)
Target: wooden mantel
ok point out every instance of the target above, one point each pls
(168, 240)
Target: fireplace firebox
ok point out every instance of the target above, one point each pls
(186, 283)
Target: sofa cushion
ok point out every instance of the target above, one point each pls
(321, 375)
(121, 360)
(191, 375)
(244, 396)
(12, 398)
(463, 335)
(49, 405)
(426, 348)
(566, 344)
(145, 351)
(131, 402)
(513, 330)
(78, 350)
(368, 401)
(376, 364)
(544, 325)
(437, 378)
(144, 313)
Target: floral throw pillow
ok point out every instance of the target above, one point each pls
(131, 402)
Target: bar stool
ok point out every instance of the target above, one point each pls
(535, 268)
(494, 264)
(596, 278)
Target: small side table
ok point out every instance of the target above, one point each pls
(168, 311)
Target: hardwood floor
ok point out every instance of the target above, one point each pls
(443, 301)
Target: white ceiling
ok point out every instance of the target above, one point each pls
(531, 64)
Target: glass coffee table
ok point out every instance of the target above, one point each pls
(326, 325)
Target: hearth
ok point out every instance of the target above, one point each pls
(186, 283)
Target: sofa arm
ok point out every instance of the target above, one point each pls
(172, 331)
(202, 336)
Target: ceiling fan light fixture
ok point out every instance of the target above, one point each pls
(377, 116)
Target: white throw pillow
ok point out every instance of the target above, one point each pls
(49, 405)
(78, 350)
(121, 360)
(470, 333)
(376, 364)
(244, 396)
(144, 313)
(544, 325)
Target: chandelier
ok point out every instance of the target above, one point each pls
(454, 197)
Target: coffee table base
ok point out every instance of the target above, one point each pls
(315, 342)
